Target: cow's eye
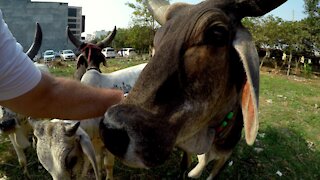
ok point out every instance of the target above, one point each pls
(216, 35)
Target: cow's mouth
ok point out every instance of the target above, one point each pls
(138, 138)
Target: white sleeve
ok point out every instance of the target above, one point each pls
(18, 74)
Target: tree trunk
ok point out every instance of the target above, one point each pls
(265, 56)
(289, 63)
(297, 71)
(262, 61)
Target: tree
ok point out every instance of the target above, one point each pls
(265, 31)
(312, 22)
(312, 8)
(141, 15)
(142, 19)
(273, 33)
(121, 39)
(140, 37)
(134, 36)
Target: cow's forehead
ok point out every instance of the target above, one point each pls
(183, 27)
(45, 130)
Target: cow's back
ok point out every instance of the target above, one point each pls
(122, 79)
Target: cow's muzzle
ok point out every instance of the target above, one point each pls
(139, 138)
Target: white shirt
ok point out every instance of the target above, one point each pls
(18, 74)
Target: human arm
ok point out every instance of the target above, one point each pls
(63, 98)
(25, 90)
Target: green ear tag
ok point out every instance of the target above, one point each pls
(230, 115)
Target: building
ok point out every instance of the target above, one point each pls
(76, 20)
(53, 17)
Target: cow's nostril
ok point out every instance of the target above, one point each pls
(115, 140)
(7, 125)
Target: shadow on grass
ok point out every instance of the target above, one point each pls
(169, 170)
(283, 150)
(10, 168)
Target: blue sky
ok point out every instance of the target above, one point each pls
(288, 10)
(105, 14)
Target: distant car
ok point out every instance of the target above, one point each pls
(67, 55)
(128, 52)
(49, 55)
(109, 52)
(57, 54)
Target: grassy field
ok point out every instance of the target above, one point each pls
(287, 146)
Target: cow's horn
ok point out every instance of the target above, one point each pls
(106, 41)
(72, 129)
(75, 41)
(158, 9)
(34, 48)
(256, 7)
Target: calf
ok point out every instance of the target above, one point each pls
(63, 148)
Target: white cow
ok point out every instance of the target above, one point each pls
(123, 79)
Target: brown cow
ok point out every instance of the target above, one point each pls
(198, 90)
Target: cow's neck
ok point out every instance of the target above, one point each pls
(94, 68)
(224, 127)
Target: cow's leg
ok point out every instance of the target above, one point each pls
(20, 153)
(86, 166)
(99, 156)
(185, 164)
(220, 156)
(109, 163)
(218, 165)
(203, 160)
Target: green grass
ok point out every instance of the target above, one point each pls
(9, 165)
(289, 134)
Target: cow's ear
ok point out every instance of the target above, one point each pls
(81, 60)
(247, 52)
(88, 150)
